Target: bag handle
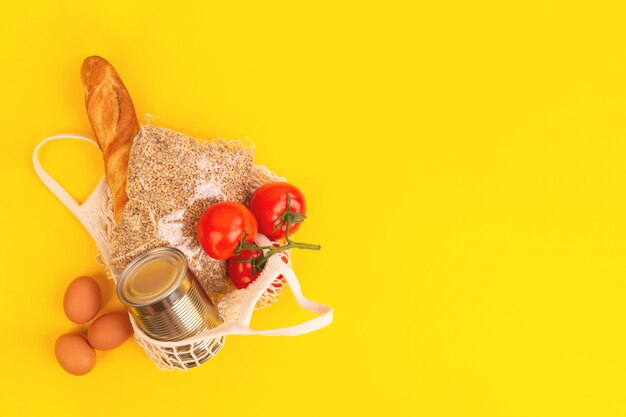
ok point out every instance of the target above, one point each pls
(324, 318)
(50, 182)
(78, 210)
(273, 268)
(324, 312)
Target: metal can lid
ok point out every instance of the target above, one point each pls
(152, 276)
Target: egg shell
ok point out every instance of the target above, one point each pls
(82, 300)
(109, 330)
(74, 354)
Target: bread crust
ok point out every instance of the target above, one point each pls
(114, 123)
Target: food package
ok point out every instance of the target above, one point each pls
(172, 178)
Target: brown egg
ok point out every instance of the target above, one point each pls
(74, 354)
(109, 330)
(82, 300)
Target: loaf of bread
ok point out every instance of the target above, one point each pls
(114, 123)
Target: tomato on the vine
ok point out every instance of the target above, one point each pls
(223, 226)
(246, 267)
(241, 269)
(276, 205)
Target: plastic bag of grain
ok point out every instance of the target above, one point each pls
(172, 178)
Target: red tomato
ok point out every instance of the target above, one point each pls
(243, 273)
(269, 203)
(240, 273)
(222, 226)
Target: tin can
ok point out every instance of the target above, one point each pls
(168, 303)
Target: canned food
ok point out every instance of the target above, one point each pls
(167, 302)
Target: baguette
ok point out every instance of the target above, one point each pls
(114, 123)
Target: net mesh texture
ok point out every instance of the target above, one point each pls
(188, 353)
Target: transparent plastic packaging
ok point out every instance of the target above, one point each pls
(172, 179)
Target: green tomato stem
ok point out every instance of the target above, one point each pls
(287, 218)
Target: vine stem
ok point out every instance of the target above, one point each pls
(273, 250)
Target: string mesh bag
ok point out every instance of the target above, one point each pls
(172, 224)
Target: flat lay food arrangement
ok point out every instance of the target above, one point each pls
(194, 234)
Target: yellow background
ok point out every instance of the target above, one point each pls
(464, 167)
